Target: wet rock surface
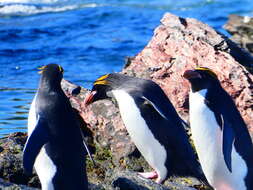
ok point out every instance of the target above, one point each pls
(178, 44)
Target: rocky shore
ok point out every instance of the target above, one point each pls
(177, 44)
(241, 29)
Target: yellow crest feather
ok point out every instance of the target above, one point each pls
(41, 69)
(101, 80)
(60, 69)
(104, 82)
(209, 71)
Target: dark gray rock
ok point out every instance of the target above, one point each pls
(11, 160)
(4, 185)
(241, 29)
(126, 180)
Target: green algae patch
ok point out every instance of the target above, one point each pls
(103, 162)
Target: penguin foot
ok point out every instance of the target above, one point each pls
(158, 180)
(149, 175)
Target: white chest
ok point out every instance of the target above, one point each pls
(207, 138)
(45, 169)
(141, 135)
(32, 117)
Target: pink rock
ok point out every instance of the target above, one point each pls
(178, 44)
(103, 119)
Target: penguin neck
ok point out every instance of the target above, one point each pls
(198, 85)
(49, 85)
(197, 88)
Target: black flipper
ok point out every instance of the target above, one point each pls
(155, 107)
(228, 137)
(228, 134)
(33, 145)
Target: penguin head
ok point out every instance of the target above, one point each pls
(51, 75)
(103, 86)
(201, 78)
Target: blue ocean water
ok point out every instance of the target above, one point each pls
(88, 38)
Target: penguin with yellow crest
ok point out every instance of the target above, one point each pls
(219, 133)
(54, 145)
(152, 123)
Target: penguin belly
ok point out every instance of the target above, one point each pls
(150, 148)
(32, 119)
(207, 138)
(45, 169)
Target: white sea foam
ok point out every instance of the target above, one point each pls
(22, 9)
(29, 1)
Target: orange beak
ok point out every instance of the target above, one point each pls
(89, 97)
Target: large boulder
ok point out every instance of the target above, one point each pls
(179, 44)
